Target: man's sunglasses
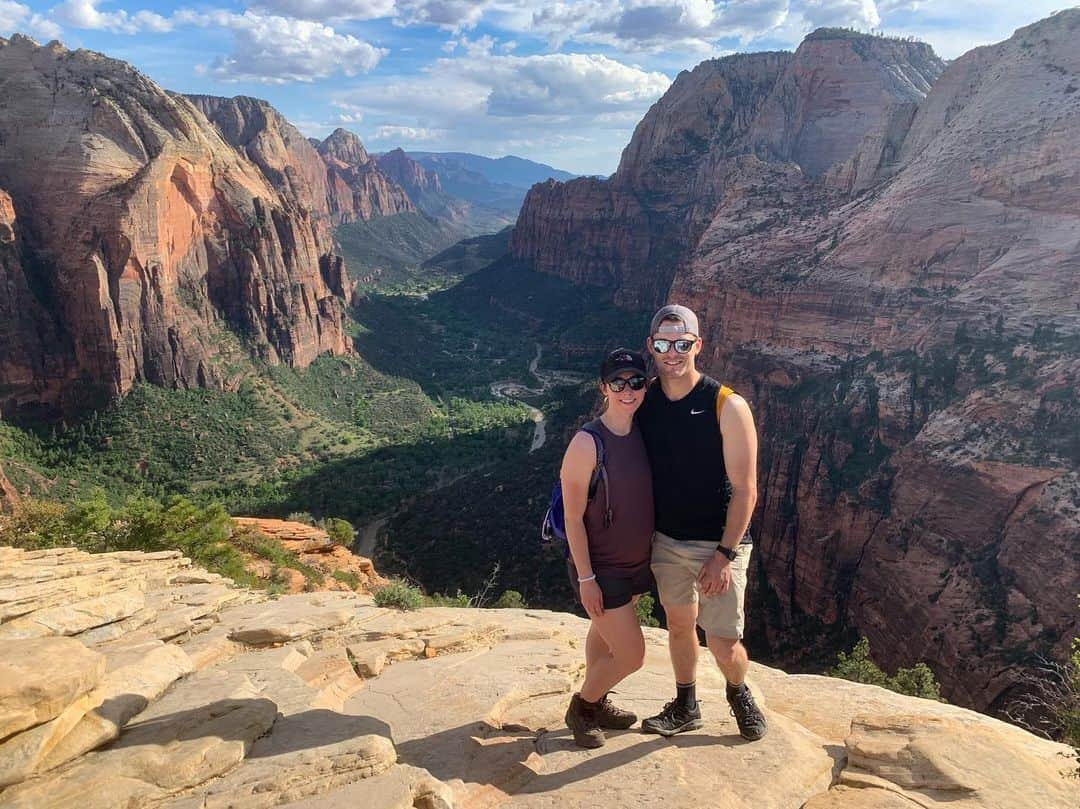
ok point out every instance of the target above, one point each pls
(662, 346)
(618, 384)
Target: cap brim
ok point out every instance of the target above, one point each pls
(612, 374)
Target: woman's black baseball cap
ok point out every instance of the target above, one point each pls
(620, 360)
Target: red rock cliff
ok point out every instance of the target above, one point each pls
(143, 234)
(891, 279)
(409, 174)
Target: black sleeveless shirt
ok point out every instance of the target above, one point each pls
(691, 490)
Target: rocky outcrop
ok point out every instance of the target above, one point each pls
(885, 263)
(337, 566)
(410, 175)
(142, 234)
(336, 180)
(358, 188)
(324, 699)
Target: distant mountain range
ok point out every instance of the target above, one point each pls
(499, 184)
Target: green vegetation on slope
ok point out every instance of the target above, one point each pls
(390, 249)
(859, 667)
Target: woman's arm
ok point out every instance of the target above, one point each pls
(577, 468)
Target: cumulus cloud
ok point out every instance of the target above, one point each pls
(16, 17)
(267, 48)
(85, 14)
(276, 50)
(860, 14)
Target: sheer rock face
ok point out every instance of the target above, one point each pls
(891, 280)
(141, 232)
(336, 181)
(409, 174)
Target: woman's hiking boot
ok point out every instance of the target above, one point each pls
(610, 717)
(583, 720)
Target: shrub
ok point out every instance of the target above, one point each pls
(341, 531)
(857, 666)
(644, 610)
(439, 600)
(347, 577)
(300, 516)
(399, 595)
(510, 599)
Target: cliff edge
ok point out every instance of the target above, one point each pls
(134, 679)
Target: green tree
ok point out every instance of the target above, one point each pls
(510, 599)
(341, 531)
(859, 667)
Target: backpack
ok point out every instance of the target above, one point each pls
(554, 525)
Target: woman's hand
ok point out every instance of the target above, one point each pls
(592, 599)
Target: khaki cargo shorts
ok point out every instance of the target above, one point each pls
(676, 565)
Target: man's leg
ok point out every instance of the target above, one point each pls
(682, 640)
(731, 657)
(722, 618)
(676, 578)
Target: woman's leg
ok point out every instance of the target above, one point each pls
(595, 648)
(619, 630)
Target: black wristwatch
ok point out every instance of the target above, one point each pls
(730, 553)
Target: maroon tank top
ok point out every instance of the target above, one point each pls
(624, 547)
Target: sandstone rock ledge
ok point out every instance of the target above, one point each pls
(132, 680)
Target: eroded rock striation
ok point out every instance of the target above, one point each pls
(884, 253)
(139, 235)
(212, 696)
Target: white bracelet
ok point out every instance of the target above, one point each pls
(587, 578)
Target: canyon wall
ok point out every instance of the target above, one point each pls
(883, 252)
(142, 239)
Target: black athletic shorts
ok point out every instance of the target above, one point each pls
(618, 591)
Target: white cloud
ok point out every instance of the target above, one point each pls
(327, 10)
(85, 14)
(277, 50)
(266, 48)
(395, 133)
(15, 17)
(861, 14)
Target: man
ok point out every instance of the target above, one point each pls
(702, 448)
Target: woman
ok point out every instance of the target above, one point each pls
(609, 556)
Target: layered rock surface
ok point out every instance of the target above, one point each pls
(325, 700)
(885, 260)
(141, 234)
(313, 548)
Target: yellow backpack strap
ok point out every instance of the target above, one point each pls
(721, 397)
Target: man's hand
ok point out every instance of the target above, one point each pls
(592, 599)
(715, 576)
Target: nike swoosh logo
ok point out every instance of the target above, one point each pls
(696, 412)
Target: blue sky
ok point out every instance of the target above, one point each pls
(559, 82)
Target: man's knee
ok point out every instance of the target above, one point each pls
(725, 650)
(681, 619)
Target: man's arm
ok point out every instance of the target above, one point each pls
(740, 462)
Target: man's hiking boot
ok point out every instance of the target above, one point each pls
(581, 718)
(675, 718)
(612, 718)
(748, 716)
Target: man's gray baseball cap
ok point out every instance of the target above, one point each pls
(675, 312)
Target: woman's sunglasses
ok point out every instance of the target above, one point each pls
(618, 384)
(662, 346)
